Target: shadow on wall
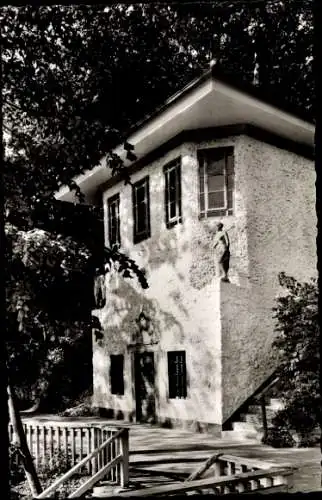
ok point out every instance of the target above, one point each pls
(126, 310)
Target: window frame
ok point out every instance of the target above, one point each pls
(111, 201)
(117, 385)
(226, 210)
(174, 165)
(143, 235)
(175, 390)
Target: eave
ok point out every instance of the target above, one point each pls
(207, 102)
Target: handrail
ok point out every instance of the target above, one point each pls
(209, 483)
(250, 462)
(94, 479)
(267, 388)
(53, 487)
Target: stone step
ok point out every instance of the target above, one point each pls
(257, 410)
(107, 489)
(251, 436)
(255, 419)
(275, 404)
(244, 427)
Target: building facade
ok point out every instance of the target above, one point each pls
(191, 349)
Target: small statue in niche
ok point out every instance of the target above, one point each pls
(221, 246)
(144, 329)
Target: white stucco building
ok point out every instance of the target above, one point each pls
(191, 349)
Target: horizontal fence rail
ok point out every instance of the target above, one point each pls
(48, 442)
(260, 481)
(99, 452)
(229, 474)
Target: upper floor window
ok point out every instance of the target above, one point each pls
(177, 374)
(172, 173)
(216, 177)
(141, 210)
(113, 204)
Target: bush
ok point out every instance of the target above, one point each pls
(278, 437)
(16, 470)
(59, 464)
(298, 348)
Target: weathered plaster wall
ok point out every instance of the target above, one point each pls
(279, 191)
(247, 358)
(281, 218)
(182, 300)
(225, 329)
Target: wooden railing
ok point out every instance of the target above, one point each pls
(269, 480)
(112, 457)
(231, 475)
(96, 451)
(47, 440)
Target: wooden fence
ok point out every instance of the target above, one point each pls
(50, 442)
(230, 475)
(119, 462)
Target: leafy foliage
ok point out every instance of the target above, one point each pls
(17, 473)
(298, 344)
(279, 437)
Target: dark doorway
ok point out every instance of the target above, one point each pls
(144, 387)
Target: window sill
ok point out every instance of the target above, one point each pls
(141, 237)
(173, 223)
(218, 214)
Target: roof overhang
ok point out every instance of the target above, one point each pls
(204, 103)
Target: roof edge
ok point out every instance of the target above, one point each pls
(226, 78)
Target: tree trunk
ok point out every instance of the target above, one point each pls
(264, 417)
(318, 149)
(21, 442)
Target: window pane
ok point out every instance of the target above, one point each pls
(114, 220)
(141, 214)
(201, 181)
(140, 193)
(230, 182)
(216, 183)
(219, 180)
(141, 210)
(173, 193)
(112, 210)
(172, 209)
(216, 166)
(230, 163)
(173, 190)
(230, 199)
(172, 178)
(216, 200)
(202, 202)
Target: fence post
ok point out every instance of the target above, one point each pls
(124, 438)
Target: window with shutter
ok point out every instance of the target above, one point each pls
(177, 374)
(117, 374)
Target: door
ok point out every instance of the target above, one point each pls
(144, 387)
